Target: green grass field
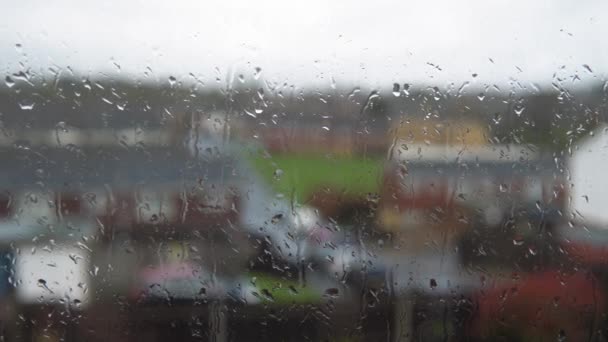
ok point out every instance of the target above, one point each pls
(304, 174)
(283, 291)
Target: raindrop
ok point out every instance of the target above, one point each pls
(332, 292)
(369, 101)
(481, 96)
(276, 218)
(241, 78)
(463, 88)
(253, 115)
(42, 283)
(278, 173)
(9, 81)
(588, 68)
(356, 90)
(396, 89)
(32, 198)
(74, 258)
(556, 301)
(61, 126)
(268, 295)
(148, 71)
(26, 105)
(24, 77)
(116, 65)
(257, 73)
(172, 80)
(433, 283)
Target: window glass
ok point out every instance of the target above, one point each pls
(306, 171)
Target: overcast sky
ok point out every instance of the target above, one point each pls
(368, 43)
(309, 43)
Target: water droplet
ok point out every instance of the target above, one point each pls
(503, 188)
(42, 283)
(293, 290)
(396, 89)
(556, 300)
(27, 105)
(481, 96)
(433, 283)
(268, 295)
(278, 173)
(369, 102)
(276, 218)
(241, 78)
(9, 81)
(172, 80)
(253, 115)
(257, 73)
(23, 76)
(74, 258)
(61, 126)
(148, 71)
(116, 65)
(332, 292)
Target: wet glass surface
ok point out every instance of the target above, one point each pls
(267, 171)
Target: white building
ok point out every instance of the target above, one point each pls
(589, 170)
